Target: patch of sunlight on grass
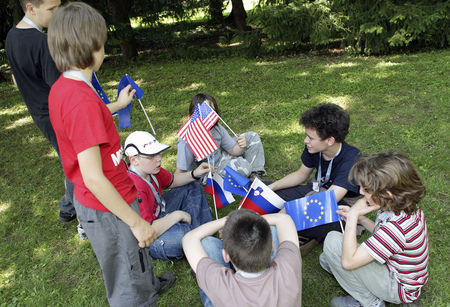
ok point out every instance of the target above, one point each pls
(5, 277)
(20, 122)
(224, 94)
(13, 111)
(52, 154)
(248, 5)
(4, 206)
(340, 65)
(40, 251)
(303, 74)
(286, 129)
(387, 64)
(342, 101)
(193, 86)
(270, 63)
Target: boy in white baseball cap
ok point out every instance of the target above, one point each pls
(179, 210)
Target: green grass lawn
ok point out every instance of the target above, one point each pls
(396, 102)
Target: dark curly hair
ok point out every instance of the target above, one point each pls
(392, 180)
(329, 120)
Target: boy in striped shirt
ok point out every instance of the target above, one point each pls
(399, 243)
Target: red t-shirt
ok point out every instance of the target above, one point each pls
(149, 207)
(81, 120)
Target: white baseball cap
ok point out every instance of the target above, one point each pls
(143, 143)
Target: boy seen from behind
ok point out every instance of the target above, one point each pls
(34, 72)
(249, 280)
(105, 197)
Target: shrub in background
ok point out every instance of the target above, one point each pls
(381, 26)
(370, 27)
(288, 26)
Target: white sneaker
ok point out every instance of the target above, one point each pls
(349, 301)
(81, 232)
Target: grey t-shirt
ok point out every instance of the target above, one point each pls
(185, 157)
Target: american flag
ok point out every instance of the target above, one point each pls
(208, 116)
(197, 136)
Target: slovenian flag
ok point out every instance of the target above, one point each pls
(262, 199)
(125, 113)
(314, 210)
(214, 187)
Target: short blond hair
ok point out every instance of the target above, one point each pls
(75, 32)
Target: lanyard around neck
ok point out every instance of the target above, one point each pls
(328, 173)
(81, 76)
(158, 196)
(31, 23)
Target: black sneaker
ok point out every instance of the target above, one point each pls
(306, 245)
(416, 303)
(166, 280)
(66, 216)
(254, 175)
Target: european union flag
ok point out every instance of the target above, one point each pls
(235, 182)
(125, 113)
(98, 88)
(314, 210)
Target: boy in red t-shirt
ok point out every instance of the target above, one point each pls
(105, 197)
(179, 210)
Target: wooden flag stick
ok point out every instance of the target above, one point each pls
(243, 200)
(227, 126)
(342, 228)
(213, 196)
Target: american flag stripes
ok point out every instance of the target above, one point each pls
(197, 136)
(208, 116)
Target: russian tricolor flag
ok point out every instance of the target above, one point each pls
(261, 199)
(214, 187)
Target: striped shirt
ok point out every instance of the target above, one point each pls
(401, 241)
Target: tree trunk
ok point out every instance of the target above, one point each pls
(240, 15)
(215, 11)
(121, 21)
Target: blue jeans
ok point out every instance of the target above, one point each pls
(189, 198)
(44, 124)
(213, 248)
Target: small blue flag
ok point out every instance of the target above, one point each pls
(235, 182)
(314, 210)
(125, 113)
(100, 91)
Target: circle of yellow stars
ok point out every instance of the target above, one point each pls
(313, 202)
(232, 183)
